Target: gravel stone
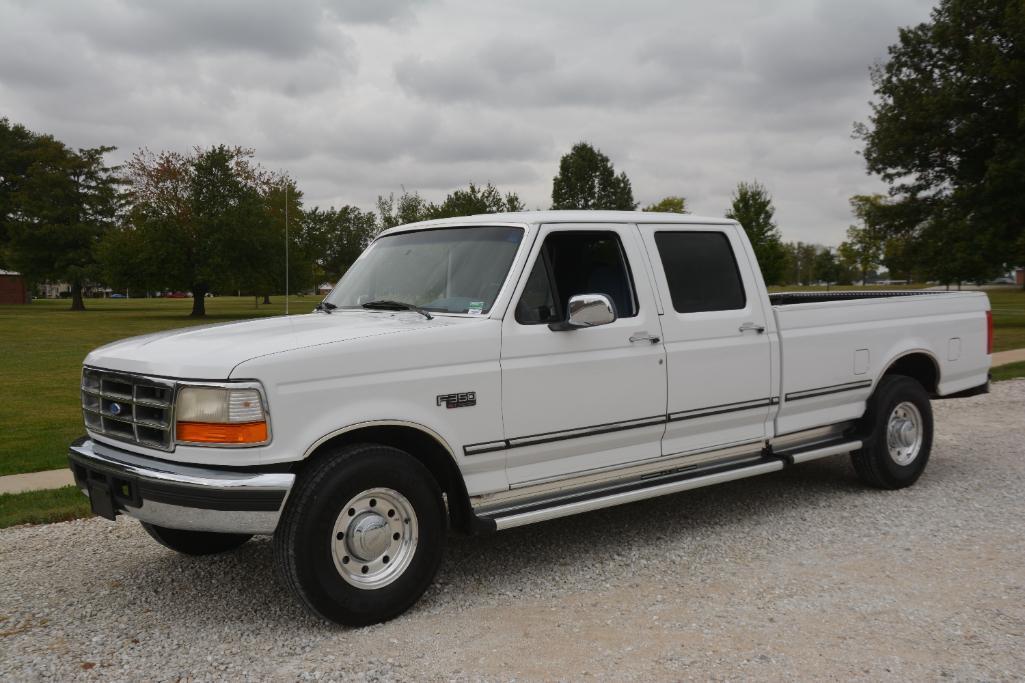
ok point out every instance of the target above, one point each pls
(799, 574)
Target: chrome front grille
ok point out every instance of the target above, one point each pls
(129, 407)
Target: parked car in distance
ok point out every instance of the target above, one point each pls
(488, 372)
(116, 295)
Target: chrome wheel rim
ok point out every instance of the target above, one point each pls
(904, 433)
(374, 538)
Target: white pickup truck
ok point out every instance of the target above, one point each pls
(493, 371)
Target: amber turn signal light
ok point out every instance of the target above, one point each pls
(232, 433)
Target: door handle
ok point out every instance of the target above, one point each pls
(644, 336)
(746, 327)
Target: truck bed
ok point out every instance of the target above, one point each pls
(834, 345)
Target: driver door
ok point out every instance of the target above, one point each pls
(584, 399)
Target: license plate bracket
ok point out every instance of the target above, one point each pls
(101, 499)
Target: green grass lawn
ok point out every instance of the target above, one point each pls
(43, 507)
(42, 346)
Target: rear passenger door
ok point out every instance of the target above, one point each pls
(590, 398)
(714, 326)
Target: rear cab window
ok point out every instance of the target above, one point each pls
(701, 271)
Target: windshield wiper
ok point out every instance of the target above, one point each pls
(389, 305)
(325, 306)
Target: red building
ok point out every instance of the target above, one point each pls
(12, 288)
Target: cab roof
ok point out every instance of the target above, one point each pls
(539, 217)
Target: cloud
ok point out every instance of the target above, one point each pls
(357, 98)
(387, 12)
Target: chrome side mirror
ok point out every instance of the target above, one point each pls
(586, 310)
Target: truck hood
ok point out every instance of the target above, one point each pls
(212, 351)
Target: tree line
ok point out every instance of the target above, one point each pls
(946, 133)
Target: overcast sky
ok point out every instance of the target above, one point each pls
(357, 98)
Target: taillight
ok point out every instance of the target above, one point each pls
(989, 332)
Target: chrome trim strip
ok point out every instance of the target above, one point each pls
(723, 408)
(562, 435)
(581, 432)
(380, 423)
(575, 507)
(485, 447)
(825, 451)
(548, 437)
(823, 391)
(186, 475)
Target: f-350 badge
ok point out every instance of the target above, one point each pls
(460, 400)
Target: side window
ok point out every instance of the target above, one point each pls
(571, 263)
(701, 271)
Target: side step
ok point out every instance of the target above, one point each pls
(800, 455)
(599, 501)
(663, 485)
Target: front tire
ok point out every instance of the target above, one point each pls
(194, 542)
(898, 425)
(362, 535)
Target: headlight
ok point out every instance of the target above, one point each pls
(219, 415)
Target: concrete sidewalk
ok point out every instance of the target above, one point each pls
(1007, 357)
(52, 479)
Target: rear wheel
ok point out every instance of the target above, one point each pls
(195, 542)
(898, 425)
(362, 535)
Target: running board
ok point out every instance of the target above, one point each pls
(663, 485)
(511, 518)
(800, 455)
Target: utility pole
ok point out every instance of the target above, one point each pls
(286, 245)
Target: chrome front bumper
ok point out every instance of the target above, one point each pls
(178, 496)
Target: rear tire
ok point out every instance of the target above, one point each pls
(898, 427)
(195, 542)
(362, 535)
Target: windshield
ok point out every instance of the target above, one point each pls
(449, 270)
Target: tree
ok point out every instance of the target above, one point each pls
(280, 192)
(799, 263)
(671, 204)
(946, 132)
(203, 221)
(476, 200)
(18, 149)
(862, 251)
(341, 235)
(409, 208)
(58, 203)
(587, 180)
(825, 267)
(752, 207)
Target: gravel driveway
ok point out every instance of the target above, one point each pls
(799, 574)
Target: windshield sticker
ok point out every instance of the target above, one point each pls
(476, 308)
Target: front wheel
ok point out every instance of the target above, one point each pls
(362, 535)
(898, 424)
(194, 542)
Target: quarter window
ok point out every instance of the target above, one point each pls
(571, 263)
(701, 271)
